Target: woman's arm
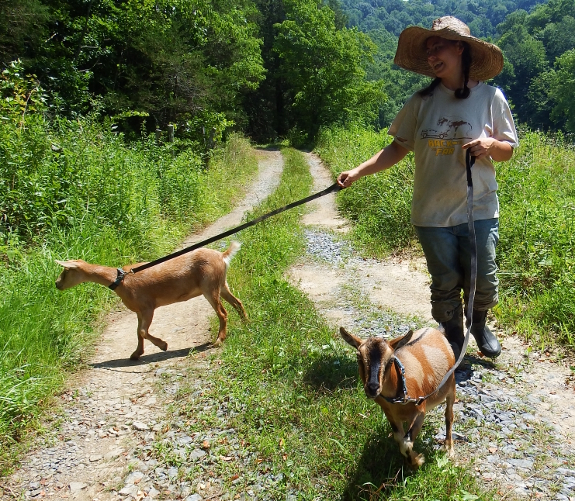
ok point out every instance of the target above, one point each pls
(382, 160)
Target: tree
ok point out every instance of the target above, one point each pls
(323, 68)
(173, 60)
(563, 90)
(559, 37)
(526, 59)
(22, 28)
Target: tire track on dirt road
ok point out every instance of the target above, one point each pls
(115, 407)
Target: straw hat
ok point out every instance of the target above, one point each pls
(486, 58)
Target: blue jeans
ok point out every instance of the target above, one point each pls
(448, 261)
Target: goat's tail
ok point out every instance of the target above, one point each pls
(230, 253)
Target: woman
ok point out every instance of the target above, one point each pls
(455, 113)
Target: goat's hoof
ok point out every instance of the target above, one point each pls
(135, 356)
(218, 342)
(449, 450)
(163, 347)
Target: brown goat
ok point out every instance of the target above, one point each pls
(202, 271)
(426, 357)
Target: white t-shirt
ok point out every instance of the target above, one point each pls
(434, 128)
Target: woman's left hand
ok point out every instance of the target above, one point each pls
(489, 147)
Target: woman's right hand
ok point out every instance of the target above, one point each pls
(346, 178)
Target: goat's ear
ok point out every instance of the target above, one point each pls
(397, 343)
(67, 264)
(350, 338)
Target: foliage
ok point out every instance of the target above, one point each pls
(19, 93)
(533, 44)
(394, 15)
(532, 34)
(170, 59)
(536, 260)
(22, 27)
(316, 71)
(527, 59)
(562, 90)
(274, 69)
(380, 205)
(323, 68)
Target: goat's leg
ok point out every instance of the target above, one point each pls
(415, 459)
(449, 400)
(214, 299)
(398, 433)
(144, 322)
(233, 300)
(160, 343)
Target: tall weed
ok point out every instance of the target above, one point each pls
(380, 206)
(536, 251)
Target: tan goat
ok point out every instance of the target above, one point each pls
(202, 271)
(425, 356)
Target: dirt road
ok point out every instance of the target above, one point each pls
(113, 408)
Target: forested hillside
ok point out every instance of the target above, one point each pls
(482, 17)
(537, 39)
(268, 68)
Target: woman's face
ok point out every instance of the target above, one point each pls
(444, 57)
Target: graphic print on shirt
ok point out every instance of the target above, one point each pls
(450, 132)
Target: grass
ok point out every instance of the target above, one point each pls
(537, 260)
(289, 387)
(537, 224)
(159, 194)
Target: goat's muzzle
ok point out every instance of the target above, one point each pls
(372, 389)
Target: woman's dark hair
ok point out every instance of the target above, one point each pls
(462, 93)
(428, 91)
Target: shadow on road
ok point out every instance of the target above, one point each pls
(148, 359)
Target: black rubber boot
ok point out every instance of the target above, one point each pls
(486, 340)
(453, 329)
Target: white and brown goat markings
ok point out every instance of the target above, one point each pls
(426, 357)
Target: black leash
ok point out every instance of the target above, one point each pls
(332, 188)
(404, 399)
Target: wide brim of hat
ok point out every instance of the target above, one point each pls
(486, 58)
